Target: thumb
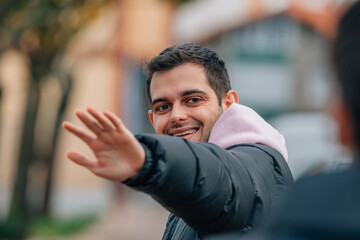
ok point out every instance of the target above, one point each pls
(81, 160)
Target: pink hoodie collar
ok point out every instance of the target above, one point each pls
(240, 124)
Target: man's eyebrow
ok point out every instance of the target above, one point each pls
(192, 91)
(156, 100)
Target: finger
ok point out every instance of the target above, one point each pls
(81, 160)
(105, 123)
(114, 119)
(90, 124)
(78, 131)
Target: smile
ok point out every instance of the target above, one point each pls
(191, 131)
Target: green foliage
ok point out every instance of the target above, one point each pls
(41, 227)
(47, 227)
(44, 26)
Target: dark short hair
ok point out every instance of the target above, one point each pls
(174, 56)
(347, 63)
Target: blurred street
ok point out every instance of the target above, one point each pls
(132, 219)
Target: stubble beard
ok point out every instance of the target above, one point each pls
(206, 130)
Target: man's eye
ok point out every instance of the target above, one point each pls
(193, 100)
(162, 108)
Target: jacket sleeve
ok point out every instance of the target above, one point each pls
(210, 188)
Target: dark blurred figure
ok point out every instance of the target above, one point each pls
(327, 206)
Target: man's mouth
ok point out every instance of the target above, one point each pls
(180, 134)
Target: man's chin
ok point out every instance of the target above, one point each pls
(194, 137)
(199, 138)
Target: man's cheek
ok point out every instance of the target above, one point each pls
(159, 127)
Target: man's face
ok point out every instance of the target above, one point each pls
(184, 104)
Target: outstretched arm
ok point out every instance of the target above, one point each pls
(119, 154)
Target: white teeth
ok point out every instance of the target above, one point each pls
(186, 132)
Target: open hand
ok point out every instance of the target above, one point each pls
(119, 155)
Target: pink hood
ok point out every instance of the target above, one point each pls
(240, 124)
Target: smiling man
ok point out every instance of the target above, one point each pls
(218, 166)
(184, 104)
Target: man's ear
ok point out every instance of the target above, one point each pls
(345, 124)
(230, 98)
(151, 117)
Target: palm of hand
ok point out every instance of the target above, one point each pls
(119, 155)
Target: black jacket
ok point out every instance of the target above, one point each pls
(208, 189)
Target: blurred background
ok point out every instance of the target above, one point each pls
(57, 56)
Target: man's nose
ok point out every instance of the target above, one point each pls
(178, 113)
